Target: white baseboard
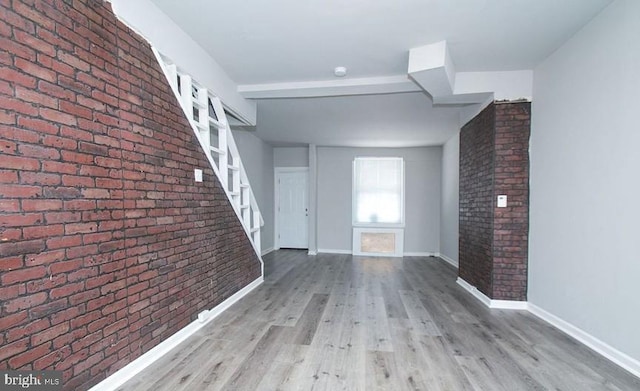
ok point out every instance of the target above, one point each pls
(420, 254)
(447, 259)
(333, 251)
(621, 359)
(496, 304)
(607, 351)
(312, 252)
(136, 366)
(267, 251)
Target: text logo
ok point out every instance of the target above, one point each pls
(31, 380)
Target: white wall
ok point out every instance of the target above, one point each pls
(148, 20)
(291, 157)
(257, 158)
(422, 196)
(450, 199)
(584, 262)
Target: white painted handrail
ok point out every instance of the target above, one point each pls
(208, 120)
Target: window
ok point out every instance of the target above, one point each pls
(378, 191)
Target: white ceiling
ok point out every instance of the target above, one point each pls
(280, 41)
(389, 120)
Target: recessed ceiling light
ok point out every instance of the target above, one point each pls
(340, 71)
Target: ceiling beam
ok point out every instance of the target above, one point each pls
(338, 87)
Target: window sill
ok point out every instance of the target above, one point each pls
(378, 225)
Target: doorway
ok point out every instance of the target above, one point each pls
(292, 207)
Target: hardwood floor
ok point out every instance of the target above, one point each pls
(337, 322)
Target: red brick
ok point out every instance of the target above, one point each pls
(66, 266)
(77, 356)
(23, 275)
(8, 177)
(90, 80)
(67, 290)
(80, 205)
(98, 159)
(82, 251)
(493, 149)
(9, 206)
(20, 191)
(30, 13)
(33, 42)
(55, 90)
(83, 274)
(31, 355)
(40, 179)
(23, 135)
(39, 125)
(91, 103)
(93, 149)
(84, 296)
(73, 61)
(34, 69)
(50, 359)
(51, 307)
(87, 363)
(66, 241)
(72, 37)
(104, 98)
(65, 315)
(96, 193)
(73, 85)
(8, 249)
(58, 167)
(16, 48)
(24, 302)
(44, 231)
(7, 118)
(45, 258)
(27, 330)
(80, 158)
(59, 142)
(78, 181)
(98, 237)
(58, 116)
(44, 153)
(76, 110)
(17, 105)
(32, 96)
(9, 350)
(41, 205)
(20, 220)
(9, 321)
(80, 228)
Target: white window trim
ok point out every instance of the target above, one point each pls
(355, 223)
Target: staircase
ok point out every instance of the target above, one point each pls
(208, 120)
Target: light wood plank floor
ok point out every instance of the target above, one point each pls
(337, 322)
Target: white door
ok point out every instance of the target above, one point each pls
(293, 209)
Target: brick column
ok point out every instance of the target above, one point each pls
(494, 160)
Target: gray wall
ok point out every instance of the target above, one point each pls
(422, 196)
(257, 158)
(291, 157)
(585, 180)
(450, 198)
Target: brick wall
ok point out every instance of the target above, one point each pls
(107, 246)
(511, 224)
(494, 159)
(476, 200)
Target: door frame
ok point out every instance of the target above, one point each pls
(276, 176)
